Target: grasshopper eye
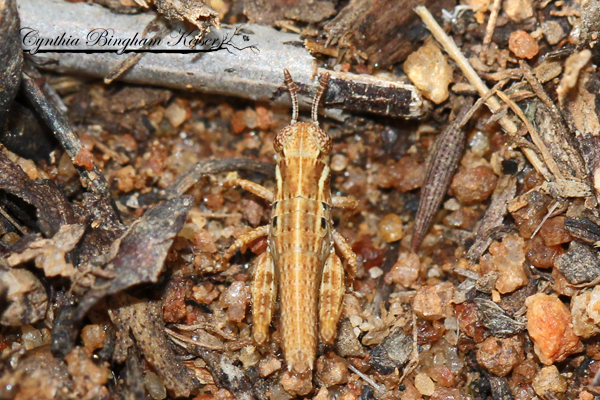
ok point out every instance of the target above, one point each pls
(282, 137)
(275, 222)
(323, 140)
(323, 223)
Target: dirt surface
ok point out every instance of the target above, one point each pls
(476, 229)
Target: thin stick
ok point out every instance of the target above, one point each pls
(536, 85)
(455, 53)
(366, 378)
(24, 230)
(317, 99)
(186, 339)
(489, 29)
(548, 214)
(293, 93)
(535, 136)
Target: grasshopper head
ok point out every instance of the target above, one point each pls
(303, 138)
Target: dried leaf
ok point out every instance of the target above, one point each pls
(141, 251)
(49, 254)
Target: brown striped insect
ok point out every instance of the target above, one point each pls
(301, 260)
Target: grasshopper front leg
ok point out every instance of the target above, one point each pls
(264, 294)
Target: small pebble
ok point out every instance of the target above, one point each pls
(250, 118)
(31, 337)
(480, 143)
(66, 170)
(593, 307)
(549, 326)
(442, 393)
(468, 321)
(553, 32)
(332, 369)
(548, 381)
(583, 324)
(176, 114)
(263, 118)
(339, 162)
(428, 69)
(540, 255)
(474, 185)
(204, 242)
(390, 228)
(236, 298)
(507, 259)
(238, 123)
(84, 158)
(125, 179)
(518, 10)
(523, 45)
(406, 270)
(499, 355)
(322, 394)
(585, 395)
(424, 384)
(297, 385)
(554, 233)
(93, 337)
(268, 365)
(155, 386)
(405, 175)
(452, 204)
(375, 272)
(434, 302)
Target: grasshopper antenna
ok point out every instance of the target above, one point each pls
(317, 99)
(293, 90)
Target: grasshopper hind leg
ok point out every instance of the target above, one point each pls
(264, 293)
(330, 298)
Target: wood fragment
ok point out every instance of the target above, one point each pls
(353, 27)
(144, 319)
(52, 208)
(583, 229)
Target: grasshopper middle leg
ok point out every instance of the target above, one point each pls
(243, 241)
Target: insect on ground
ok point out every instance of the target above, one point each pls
(300, 262)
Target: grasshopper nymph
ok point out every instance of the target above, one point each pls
(300, 260)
